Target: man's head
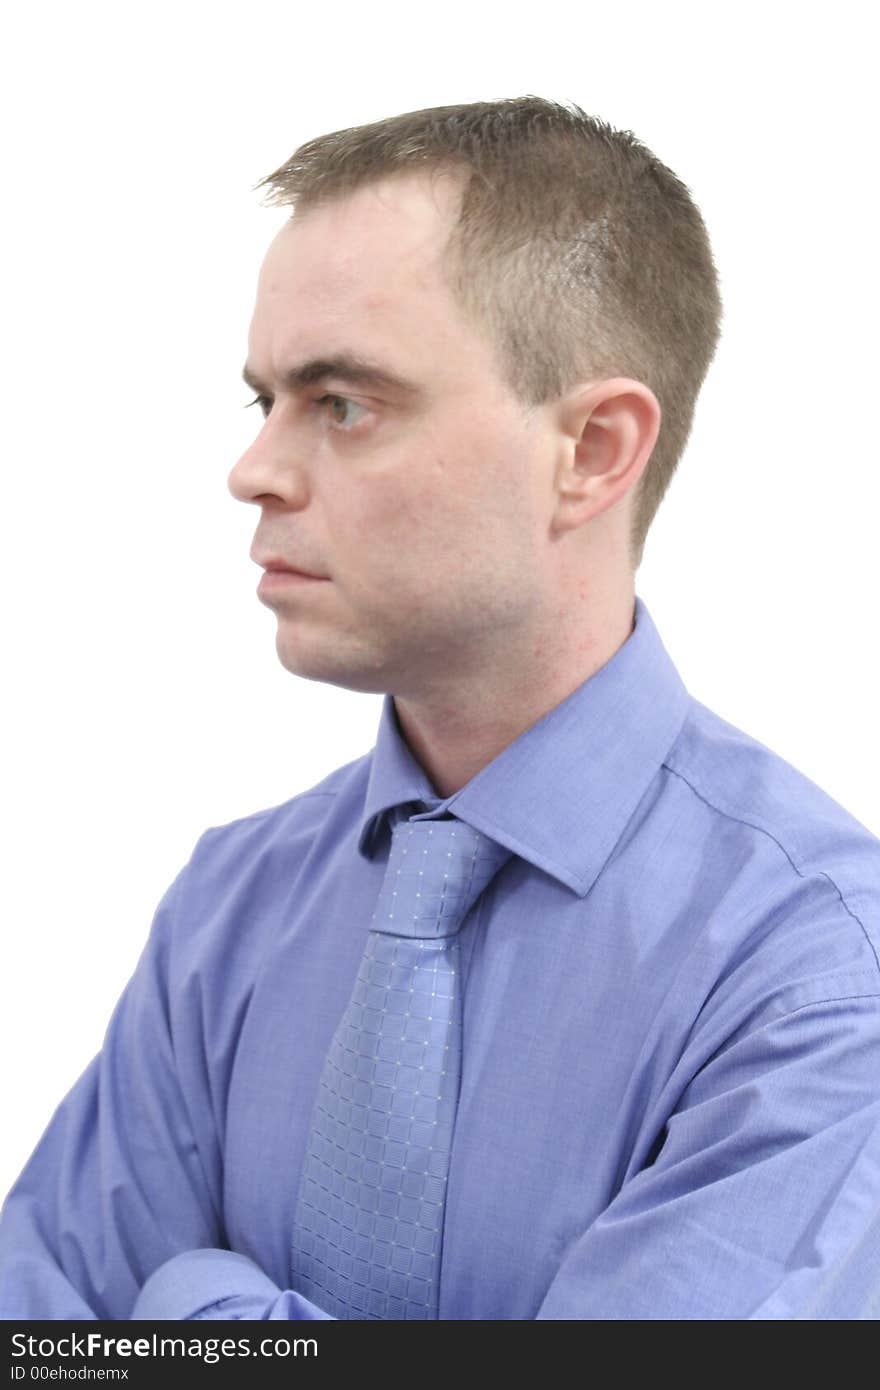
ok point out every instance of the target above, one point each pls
(543, 289)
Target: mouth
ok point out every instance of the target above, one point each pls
(279, 579)
(277, 562)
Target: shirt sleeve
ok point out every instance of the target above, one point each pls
(203, 1284)
(124, 1176)
(763, 1201)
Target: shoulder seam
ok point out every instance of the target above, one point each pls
(831, 999)
(764, 831)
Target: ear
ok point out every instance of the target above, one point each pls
(607, 431)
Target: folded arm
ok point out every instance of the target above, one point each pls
(199, 1284)
(762, 1203)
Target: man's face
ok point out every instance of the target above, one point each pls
(424, 507)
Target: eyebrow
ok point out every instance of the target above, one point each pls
(344, 366)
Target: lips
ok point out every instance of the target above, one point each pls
(273, 565)
(290, 569)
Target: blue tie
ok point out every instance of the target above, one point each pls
(368, 1230)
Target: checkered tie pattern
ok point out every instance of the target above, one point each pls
(368, 1230)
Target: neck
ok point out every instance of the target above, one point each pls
(455, 733)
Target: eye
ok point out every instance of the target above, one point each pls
(328, 400)
(345, 403)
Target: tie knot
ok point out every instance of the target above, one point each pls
(436, 871)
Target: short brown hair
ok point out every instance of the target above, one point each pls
(581, 254)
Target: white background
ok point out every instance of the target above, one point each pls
(143, 697)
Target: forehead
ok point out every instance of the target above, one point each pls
(366, 259)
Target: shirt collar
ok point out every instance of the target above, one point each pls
(562, 793)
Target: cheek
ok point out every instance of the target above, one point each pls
(396, 518)
(378, 531)
(471, 505)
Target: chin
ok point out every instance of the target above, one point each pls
(330, 667)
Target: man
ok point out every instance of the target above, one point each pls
(564, 1001)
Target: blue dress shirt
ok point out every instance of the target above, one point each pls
(670, 1097)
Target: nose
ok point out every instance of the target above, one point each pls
(270, 469)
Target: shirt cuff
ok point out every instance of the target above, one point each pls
(211, 1283)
